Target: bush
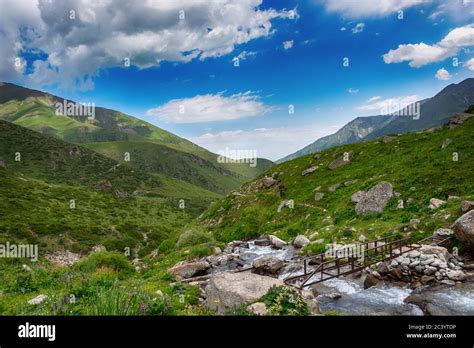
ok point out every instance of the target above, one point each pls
(118, 301)
(284, 301)
(106, 259)
(200, 251)
(166, 246)
(193, 236)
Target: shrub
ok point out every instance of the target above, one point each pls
(284, 301)
(106, 259)
(193, 236)
(117, 301)
(166, 246)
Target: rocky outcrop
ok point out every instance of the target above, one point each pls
(63, 257)
(185, 269)
(466, 206)
(375, 200)
(464, 229)
(458, 119)
(227, 290)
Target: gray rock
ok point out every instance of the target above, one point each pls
(267, 264)
(277, 242)
(38, 300)
(317, 156)
(286, 203)
(464, 229)
(388, 139)
(318, 196)
(189, 269)
(309, 170)
(466, 206)
(301, 241)
(435, 203)
(334, 187)
(227, 290)
(443, 232)
(375, 200)
(340, 161)
(268, 181)
(258, 308)
(457, 275)
(358, 196)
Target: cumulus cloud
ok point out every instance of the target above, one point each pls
(443, 74)
(470, 64)
(376, 104)
(283, 140)
(288, 44)
(359, 28)
(210, 107)
(80, 37)
(368, 8)
(421, 54)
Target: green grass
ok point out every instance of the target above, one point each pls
(413, 160)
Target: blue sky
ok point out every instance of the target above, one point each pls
(289, 59)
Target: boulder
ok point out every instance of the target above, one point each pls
(358, 196)
(466, 206)
(189, 269)
(428, 251)
(262, 242)
(318, 196)
(301, 241)
(334, 187)
(285, 203)
(464, 229)
(435, 203)
(268, 181)
(340, 161)
(267, 264)
(311, 302)
(277, 242)
(456, 275)
(375, 200)
(317, 156)
(370, 280)
(38, 300)
(258, 308)
(309, 170)
(227, 290)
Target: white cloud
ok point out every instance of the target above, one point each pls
(371, 100)
(470, 64)
(343, 29)
(422, 54)
(283, 140)
(244, 55)
(368, 8)
(352, 90)
(358, 28)
(210, 107)
(443, 74)
(375, 104)
(288, 44)
(104, 33)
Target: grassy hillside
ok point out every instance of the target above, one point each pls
(114, 204)
(433, 112)
(415, 164)
(112, 133)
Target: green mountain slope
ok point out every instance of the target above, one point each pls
(112, 133)
(65, 196)
(434, 112)
(415, 164)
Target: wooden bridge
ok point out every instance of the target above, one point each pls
(354, 258)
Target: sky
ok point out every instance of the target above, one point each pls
(265, 76)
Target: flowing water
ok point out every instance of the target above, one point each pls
(386, 299)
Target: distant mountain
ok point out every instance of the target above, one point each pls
(113, 133)
(434, 112)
